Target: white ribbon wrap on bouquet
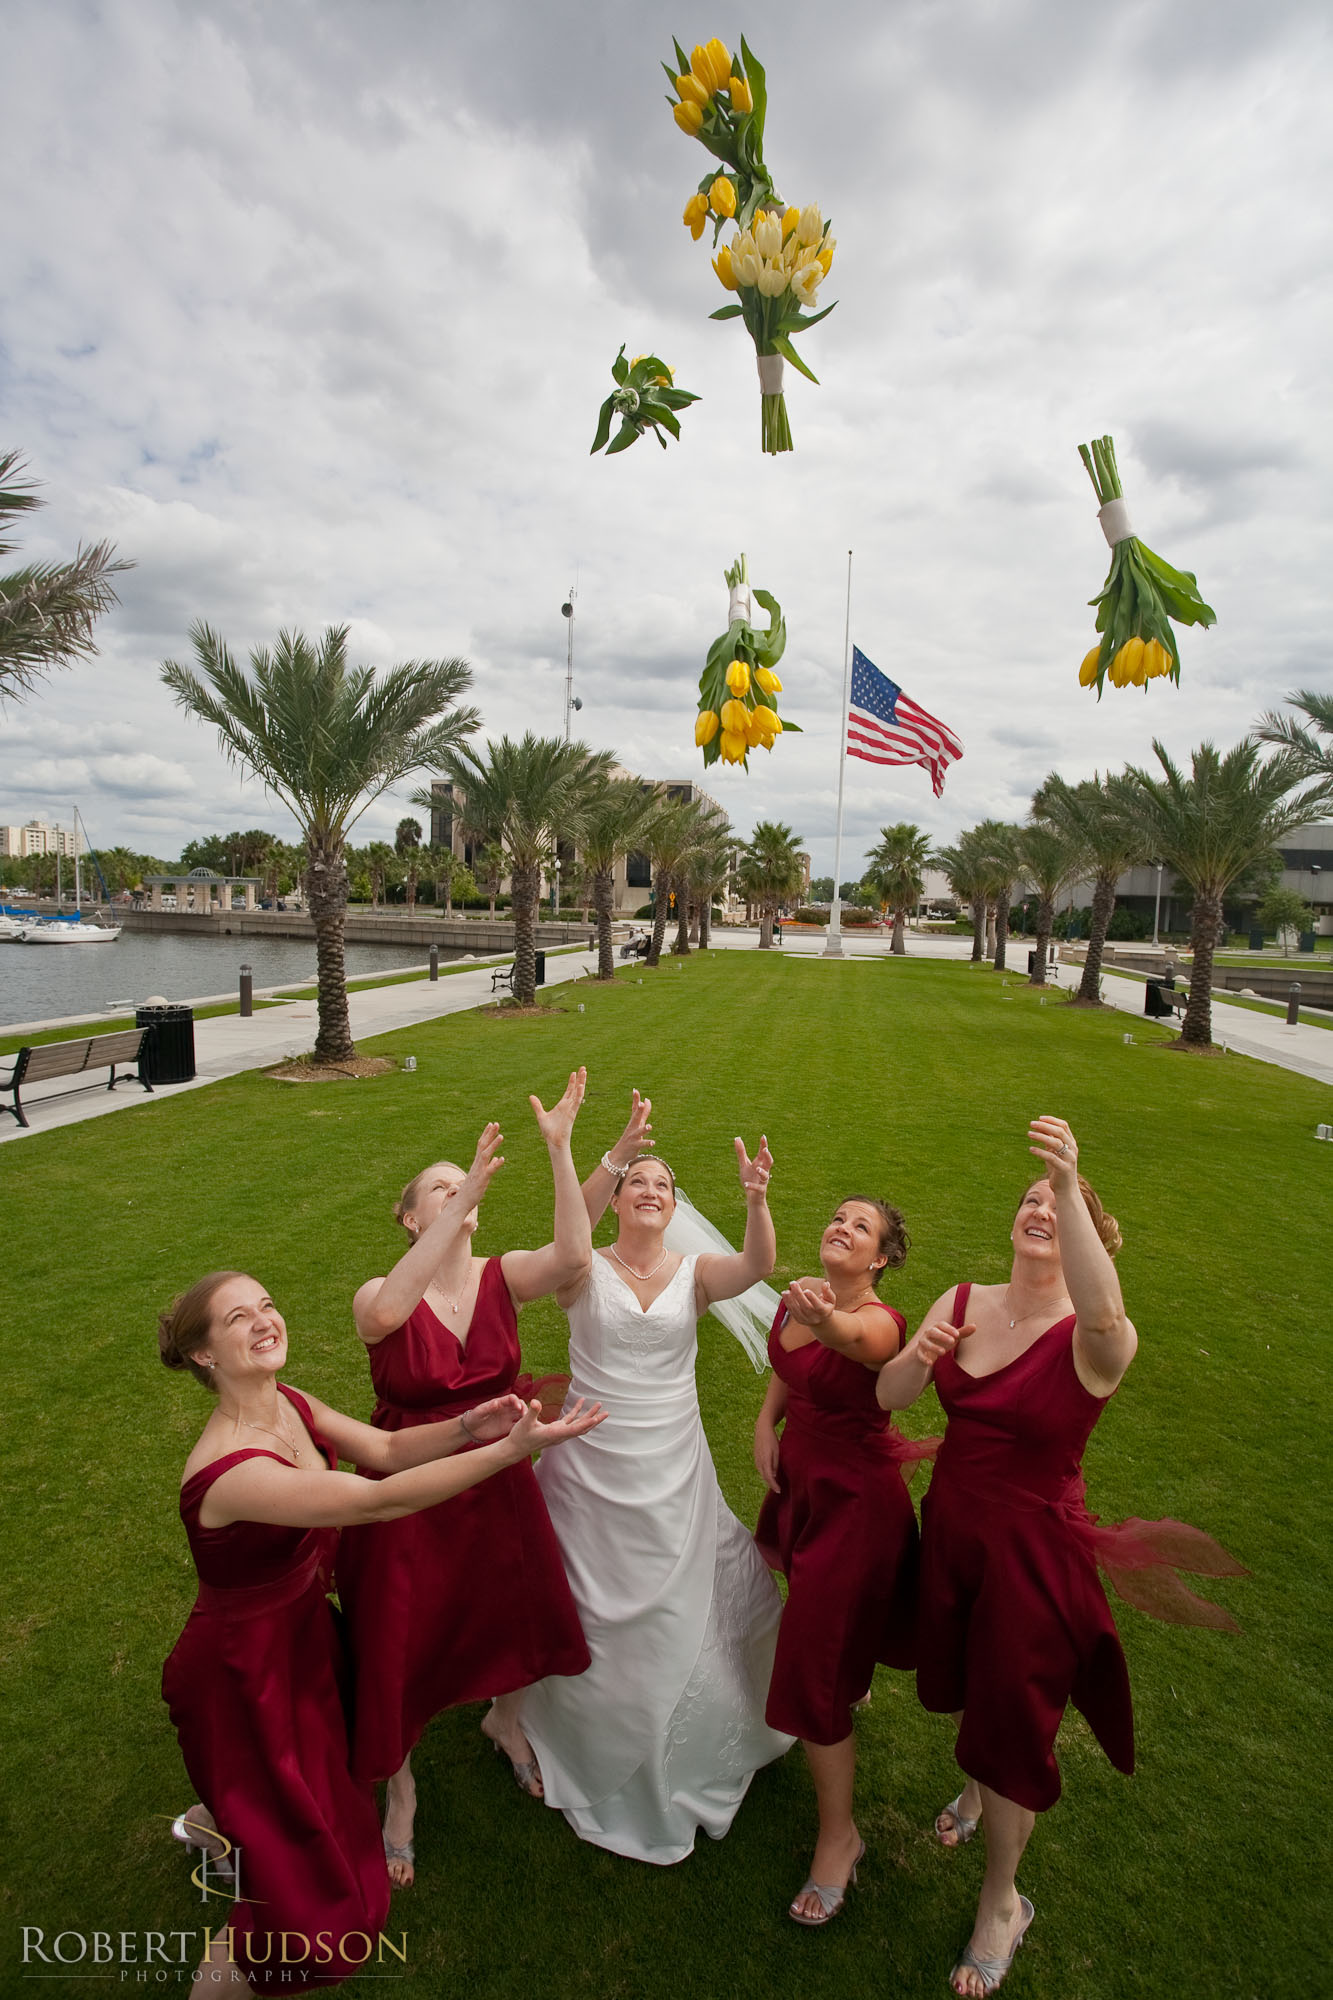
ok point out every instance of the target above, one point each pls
(770, 373)
(748, 1317)
(1114, 517)
(740, 605)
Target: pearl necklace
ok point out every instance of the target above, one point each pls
(642, 1276)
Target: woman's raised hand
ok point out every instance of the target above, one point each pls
(934, 1341)
(531, 1434)
(486, 1163)
(754, 1172)
(1055, 1146)
(809, 1304)
(637, 1136)
(488, 1422)
(557, 1124)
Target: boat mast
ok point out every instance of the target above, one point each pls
(78, 879)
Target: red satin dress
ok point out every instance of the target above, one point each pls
(468, 1599)
(254, 1685)
(1013, 1620)
(843, 1531)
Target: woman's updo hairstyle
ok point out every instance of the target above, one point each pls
(187, 1325)
(407, 1200)
(894, 1241)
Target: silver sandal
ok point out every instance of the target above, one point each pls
(193, 1836)
(964, 1828)
(993, 1971)
(830, 1900)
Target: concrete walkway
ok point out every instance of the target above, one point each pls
(226, 1045)
(1266, 1037)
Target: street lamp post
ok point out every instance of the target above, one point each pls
(555, 887)
(572, 702)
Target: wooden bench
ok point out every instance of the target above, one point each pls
(52, 1059)
(503, 975)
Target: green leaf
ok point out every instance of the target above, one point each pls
(681, 58)
(671, 75)
(783, 346)
(620, 367)
(790, 728)
(794, 325)
(667, 421)
(758, 82)
(726, 312)
(624, 437)
(603, 427)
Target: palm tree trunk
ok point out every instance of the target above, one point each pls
(695, 921)
(602, 892)
(990, 927)
(1197, 1028)
(978, 929)
(1001, 929)
(412, 887)
(526, 882)
(659, 923)
(705, 922)
(898, 944)
(326, 890)
(681, 948)
(765, 929)
(1045, 924)
(1103, 902)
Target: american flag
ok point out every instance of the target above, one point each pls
(885, 727)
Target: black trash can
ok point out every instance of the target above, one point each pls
(1154, 1005)
(1032, 963)
(168, 1055)
(1256, 940)
(539, 977)
(1306, 941)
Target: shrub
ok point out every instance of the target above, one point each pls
(859, 919)
(1128, 925)
(806, 915)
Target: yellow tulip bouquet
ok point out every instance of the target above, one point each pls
(645, 398)
(738, 710)
(779, 256)
(1140, 597)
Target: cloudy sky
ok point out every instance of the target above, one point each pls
(309, 305)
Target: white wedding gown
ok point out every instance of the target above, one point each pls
(663, 1733)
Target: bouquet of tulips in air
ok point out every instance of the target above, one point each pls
(738, 710)
(779, 256)
(1140, 597)
(644, 398)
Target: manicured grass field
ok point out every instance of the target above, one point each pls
(910, 1078)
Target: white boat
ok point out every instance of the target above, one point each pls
(68, 933)
(12, 929)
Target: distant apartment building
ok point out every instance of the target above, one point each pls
(38, 836)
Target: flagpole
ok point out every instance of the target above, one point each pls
(833, 944)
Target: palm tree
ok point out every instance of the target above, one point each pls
(962, 866)
(709, 832)
(379, 857)
(407, 843)
(327, 739)
(524, 796)
(706, 872)
(771, 873)
(1051, 861)
(47, 610)
(1214, 823)
(1284, 730)
(1000, 866)
(1102, 816)
(895, 873)
(615, 823)
(666, 843)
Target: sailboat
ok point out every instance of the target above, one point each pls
(61, 929)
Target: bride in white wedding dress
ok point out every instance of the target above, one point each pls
(664, 1731)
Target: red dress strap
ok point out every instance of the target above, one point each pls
(215, 1469)
(961, 1295)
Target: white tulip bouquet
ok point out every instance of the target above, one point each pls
(779, 256)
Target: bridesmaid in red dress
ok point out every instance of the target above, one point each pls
(469, 1602)
(1014, 1623)
(255, 1682)
(838, 1520)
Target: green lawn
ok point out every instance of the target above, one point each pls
(910, 1078)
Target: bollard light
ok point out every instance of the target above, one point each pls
(409, 1062)
(247, 993)
(435, 961)
(1294, 1004)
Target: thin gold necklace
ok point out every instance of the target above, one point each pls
(1027, 1315)
(642, 1276)
(244, 1423)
